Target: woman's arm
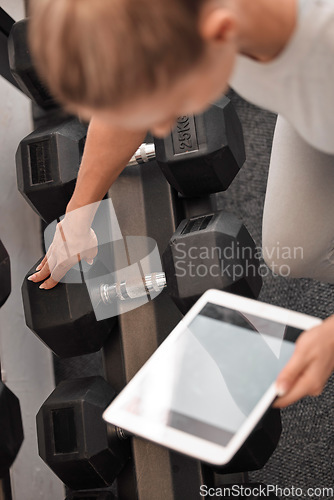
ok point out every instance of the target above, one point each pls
(107, 151)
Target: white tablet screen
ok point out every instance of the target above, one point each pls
(213, 375)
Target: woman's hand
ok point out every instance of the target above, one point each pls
(72, 242)
(310, 366)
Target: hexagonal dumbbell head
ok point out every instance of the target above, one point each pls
(5, 276)
(11, 435)
(63, 318)
(47, 164)
(204, 153)
(74, 440)
(22, 67)
(258, 447)
(211, 251)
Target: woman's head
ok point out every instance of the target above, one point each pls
(111, 54)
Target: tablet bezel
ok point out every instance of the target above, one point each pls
(181, 441)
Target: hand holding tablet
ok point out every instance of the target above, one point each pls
(211, 381)
(310, 367)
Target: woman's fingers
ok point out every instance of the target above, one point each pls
(48, 284)
(293, 370)
(310, 366)
(42, 264)
(44, 271)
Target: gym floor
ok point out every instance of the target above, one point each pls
(305, 456)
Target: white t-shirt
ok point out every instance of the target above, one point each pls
(299, 83)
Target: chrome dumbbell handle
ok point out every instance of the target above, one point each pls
(144, 154)
(126, 290)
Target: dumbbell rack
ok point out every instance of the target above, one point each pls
(146, 205)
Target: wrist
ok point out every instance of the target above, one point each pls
(74, 204)
(79, 217)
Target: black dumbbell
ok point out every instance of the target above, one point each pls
(47, 164)
(73, 439)
(85, 452)
(48, 160)
(11, 435)
(22, 67)
(5, 275)
(70, 422)
(210, 251)
(203, 153)
(258, 447)
(64, 318)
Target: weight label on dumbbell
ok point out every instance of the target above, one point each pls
(198, 224)
(184, 135)
(40, 161)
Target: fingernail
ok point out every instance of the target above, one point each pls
(90, 262)
(32, 277)
(282, 388)
(38, 268)
(42, 287)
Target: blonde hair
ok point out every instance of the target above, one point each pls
(104, 53)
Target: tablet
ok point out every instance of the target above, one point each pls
(209, 383)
